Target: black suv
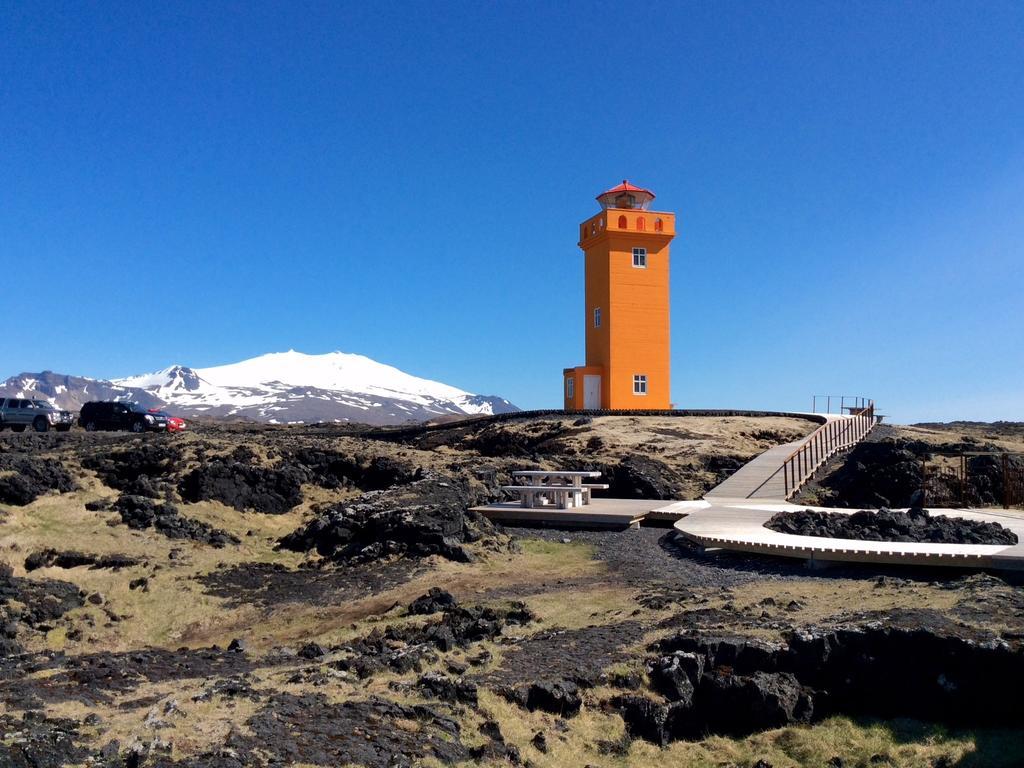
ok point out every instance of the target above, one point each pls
(131, 416)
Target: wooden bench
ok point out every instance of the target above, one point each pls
(588, 487)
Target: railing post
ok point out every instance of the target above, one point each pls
(1006, 481)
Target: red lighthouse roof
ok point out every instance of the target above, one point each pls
(625, 195)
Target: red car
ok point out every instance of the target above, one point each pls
(174, 423)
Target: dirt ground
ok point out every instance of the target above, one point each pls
(242, 652)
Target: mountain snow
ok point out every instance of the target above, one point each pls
(282, 387)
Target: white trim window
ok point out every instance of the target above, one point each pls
(640, 258)
(570, 388)
(640, 384)
(597, 317)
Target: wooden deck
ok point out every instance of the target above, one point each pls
(599, 513)
(740, 526)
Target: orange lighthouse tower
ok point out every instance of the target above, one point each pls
(625, 248)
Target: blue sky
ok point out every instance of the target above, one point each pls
(205, 182)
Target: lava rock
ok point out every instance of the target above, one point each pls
(30, 477)
(674, 676)
(135, 470)
(312, 651)
(560, 697)
(641, 477)
(334, 470)
(438, 686)
(72, 559)
(644, 718)
(140, 513)
(738, 704)
(436, 600)
(914, 525)
(40, 742)
(245, 486)
(540, 742)
(427, 517)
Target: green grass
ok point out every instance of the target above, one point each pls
(541, 547)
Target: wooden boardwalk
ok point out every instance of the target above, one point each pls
(760, 478)
(599, 513)
(763, 476)
(732, 517)
(739, 526)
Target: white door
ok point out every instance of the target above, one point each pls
(592, 393)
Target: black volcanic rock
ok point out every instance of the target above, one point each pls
(73, 559)
(140, 513)
(244, 486)
(41, 742)
(641, 477)
(435, 601)
(740, 704)
(30, 478)
(885, 470)
(914, 525)
(644, 718)
(334, 470)
(133, 470)
(427, 517)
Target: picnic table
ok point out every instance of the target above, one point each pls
(561, 488)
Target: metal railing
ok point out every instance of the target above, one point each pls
(842, 403)
(824, 443)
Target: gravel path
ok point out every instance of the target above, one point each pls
(657, 557)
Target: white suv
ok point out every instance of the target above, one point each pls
(18, 413)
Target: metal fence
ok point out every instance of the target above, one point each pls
(824, 443)
(973, 478)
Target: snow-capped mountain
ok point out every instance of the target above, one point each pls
(284, 387)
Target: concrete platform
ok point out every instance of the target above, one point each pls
(740, 526)
(599, 513)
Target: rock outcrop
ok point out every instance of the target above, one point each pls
(426, 517)
(914, 525)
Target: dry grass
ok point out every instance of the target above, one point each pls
(562, 583)
(824, 599)
(908, 744)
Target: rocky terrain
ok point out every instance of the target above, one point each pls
(915, 525)
(888, 468)
(251, 595)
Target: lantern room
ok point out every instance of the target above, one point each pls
(627, 196)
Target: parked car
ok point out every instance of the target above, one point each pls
(116, 415)
(19, 413)
(174, 423)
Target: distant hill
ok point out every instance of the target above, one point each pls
(280, 388)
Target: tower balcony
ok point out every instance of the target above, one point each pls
(631, 220)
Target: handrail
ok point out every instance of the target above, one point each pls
(824, 443)
(846, 403)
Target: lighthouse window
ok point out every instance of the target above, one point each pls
(640, 258)
(639, 384)
(597, 317)
(570, 388)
